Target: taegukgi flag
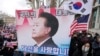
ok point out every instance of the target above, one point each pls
(79, 6)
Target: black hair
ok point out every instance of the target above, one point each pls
(77, 16)
(51, 21)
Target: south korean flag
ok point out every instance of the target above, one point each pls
(79, 6)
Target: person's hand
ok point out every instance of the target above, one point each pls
(9, 44)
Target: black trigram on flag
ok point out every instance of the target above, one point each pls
(85, 1)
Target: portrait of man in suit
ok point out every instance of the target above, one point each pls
(44, 28)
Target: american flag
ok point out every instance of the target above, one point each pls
(79, 24)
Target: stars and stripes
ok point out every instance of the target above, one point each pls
(79, 24)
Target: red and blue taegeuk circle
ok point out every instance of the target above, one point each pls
(77, 5)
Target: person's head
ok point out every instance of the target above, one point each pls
(89, 35)
(86, 47)
(98, 38)
(77, 16)
(45, 25)
(74, 35)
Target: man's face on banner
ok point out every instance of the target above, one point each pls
(39, 28)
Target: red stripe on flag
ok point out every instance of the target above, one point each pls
(81, 26)
(74, 23)
(73, 26)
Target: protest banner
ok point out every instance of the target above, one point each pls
(26, 19)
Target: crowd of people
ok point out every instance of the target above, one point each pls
(84, 43)
(8, 40)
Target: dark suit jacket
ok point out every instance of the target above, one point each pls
(49, 43)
